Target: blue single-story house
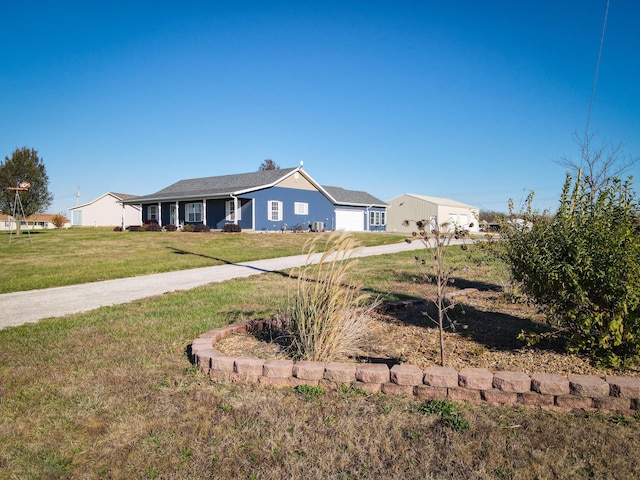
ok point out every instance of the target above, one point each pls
(266, 200)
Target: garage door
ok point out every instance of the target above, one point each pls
(350, 220)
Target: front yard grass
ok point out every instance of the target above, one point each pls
(111, 394)
(55, 258)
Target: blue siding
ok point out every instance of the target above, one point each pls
(320, 209)
(164, 214)
(376, 228)
(216, 213)
(246, 213)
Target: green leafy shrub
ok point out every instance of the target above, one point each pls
(327, 317)
(583, 267)
(189, 228)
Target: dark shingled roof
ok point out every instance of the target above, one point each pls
(353, 197)
(221, 185)
(123, 196)
(225, 185)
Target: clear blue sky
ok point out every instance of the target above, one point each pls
(471, 100)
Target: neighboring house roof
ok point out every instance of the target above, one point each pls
(45, 217)
(440, 201)
(122, 196)
(38, 217)
(353, 197)
(227, 185)
(117, 196)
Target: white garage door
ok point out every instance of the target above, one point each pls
(350, 220)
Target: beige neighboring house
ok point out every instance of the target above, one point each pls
(107, 211)
(409, 206)
(37, 221)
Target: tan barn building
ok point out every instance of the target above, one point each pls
(421, 207)
(107, 211)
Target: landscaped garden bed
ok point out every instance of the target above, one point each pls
(484, 336)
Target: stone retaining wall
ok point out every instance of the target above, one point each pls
(474, 385)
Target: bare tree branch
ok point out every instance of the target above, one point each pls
(599, 163)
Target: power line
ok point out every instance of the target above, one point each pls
(595, 77)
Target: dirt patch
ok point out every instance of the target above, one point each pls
(484, 334)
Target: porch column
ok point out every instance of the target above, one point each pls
(123, 217)
(177, 213)
(160, 213)
(204, 211)
(235, 210)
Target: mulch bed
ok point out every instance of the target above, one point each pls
(484, 334)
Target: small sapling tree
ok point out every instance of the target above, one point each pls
(436, 270)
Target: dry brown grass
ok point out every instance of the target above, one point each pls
(111, 394)
(326, 316)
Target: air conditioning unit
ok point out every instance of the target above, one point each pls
(317, 227)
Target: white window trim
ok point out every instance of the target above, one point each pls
(152, 212)
(301, 208)
(377, 218)
(197, 210)
(270, 210)
(230, 217)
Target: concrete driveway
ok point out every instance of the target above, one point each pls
(31, 306)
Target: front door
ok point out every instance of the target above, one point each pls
(173, 214)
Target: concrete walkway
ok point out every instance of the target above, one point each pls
(31, 306)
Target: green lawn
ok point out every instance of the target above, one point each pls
(80, 255)
(111, 394)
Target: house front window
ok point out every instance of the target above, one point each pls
(193, 212)
(152, 213)
(377, 218)
(232, 214)
(274, 210)
(301, 208)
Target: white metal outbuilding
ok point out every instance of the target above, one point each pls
(414, 207)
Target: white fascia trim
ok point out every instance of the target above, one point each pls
(269, 185)
(367, 205)
(195, 198)
(118, 200)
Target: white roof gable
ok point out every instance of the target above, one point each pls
(441, 201)
(117, 197)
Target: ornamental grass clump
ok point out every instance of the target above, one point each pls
(328, 318)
